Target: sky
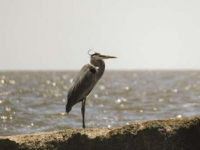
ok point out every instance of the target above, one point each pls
(56, 34)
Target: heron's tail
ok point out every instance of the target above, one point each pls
(68, 109)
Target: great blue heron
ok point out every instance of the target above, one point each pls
(85, 81)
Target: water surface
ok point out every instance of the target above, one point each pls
(35, 101)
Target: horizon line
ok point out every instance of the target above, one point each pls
(136, 69)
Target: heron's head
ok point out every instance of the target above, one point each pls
(98, 56)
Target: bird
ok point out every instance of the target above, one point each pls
(85, 81)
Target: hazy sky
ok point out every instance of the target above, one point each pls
(56, 34)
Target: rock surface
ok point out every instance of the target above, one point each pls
(168, 134)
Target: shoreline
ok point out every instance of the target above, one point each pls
(172, 134)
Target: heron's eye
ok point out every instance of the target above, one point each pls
(95, 54)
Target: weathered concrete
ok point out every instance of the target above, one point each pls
(168, 134)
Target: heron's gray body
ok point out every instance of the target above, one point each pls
(85, 81)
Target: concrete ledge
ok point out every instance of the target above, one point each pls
(168, 134)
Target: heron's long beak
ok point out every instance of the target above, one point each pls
(106, 57)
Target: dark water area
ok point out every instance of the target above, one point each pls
(33, 102)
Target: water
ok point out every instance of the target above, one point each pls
(35, 101)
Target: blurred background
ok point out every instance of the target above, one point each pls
(43, 45)
(53, 34)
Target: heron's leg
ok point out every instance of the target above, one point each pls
(83, 112)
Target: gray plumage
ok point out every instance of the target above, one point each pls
(85, 81)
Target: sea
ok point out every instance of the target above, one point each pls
(34, 101)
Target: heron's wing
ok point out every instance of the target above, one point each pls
(81, 86)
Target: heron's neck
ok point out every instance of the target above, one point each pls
(101, 67)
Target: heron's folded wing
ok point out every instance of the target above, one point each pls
(81, 87)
